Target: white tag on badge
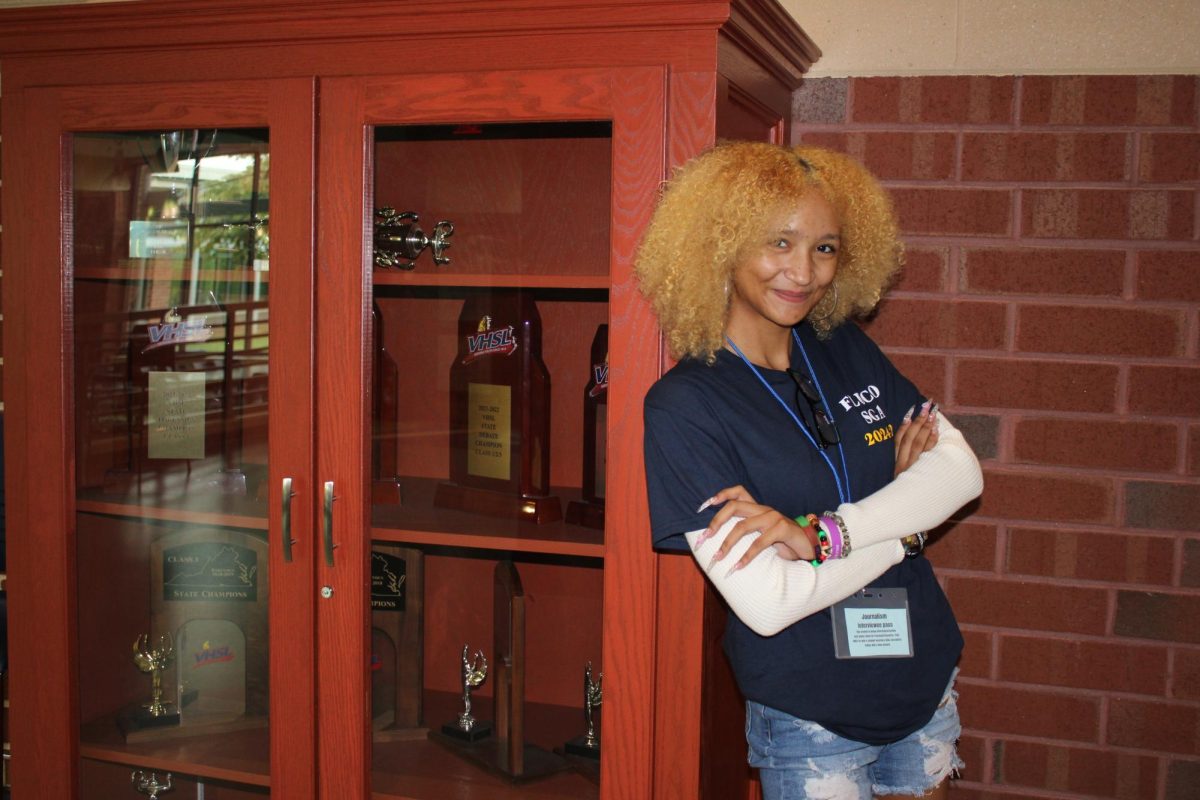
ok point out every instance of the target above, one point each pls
(873, 623)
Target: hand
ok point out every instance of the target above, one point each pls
(784, 533)
(916, 435)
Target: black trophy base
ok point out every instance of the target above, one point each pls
(487, 754)
(481, 730)
(134, 720)
(540, 509)
(579, 747)
(585, 513)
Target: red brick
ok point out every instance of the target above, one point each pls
(1163, 390)
(1079, 771)
(1046, 497)
(982, 432)
(1140, 446)
(1108, 214)
(1169, 275)
(1043, 271)
(927, 371)
(1028, 712)
(974, 751)
(963, 545)
(946, 99)
(954, 212)
(1185, 684)
(1009, 603)
(1193, 451)
(1100, 330)
(894, 155)
(1103, 666)
(1158, 615)
(1089, 555)
(1162, 506)
(1190, 574)
(1169, 157)
(1044, 385)
(1036, 157)
(1108, 100)
(1161, 727)
(820, 101)
(925, 269)
(976, 661)
(1182, 779)
(901, 322)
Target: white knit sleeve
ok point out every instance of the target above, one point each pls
(770, 593)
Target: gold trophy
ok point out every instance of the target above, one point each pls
(152, 660)
(474, 672)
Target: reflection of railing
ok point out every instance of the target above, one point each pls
(115, 356)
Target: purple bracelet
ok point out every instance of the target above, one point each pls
(832, 525)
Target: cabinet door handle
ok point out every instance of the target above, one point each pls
(286, 516)
(329, 545)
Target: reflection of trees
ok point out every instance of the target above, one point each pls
(232, 228)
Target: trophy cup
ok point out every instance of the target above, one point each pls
(148, 783)
(593, 694)
(474, 672)
(152, 660)
(399, 239)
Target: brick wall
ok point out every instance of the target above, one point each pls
(1050, 303)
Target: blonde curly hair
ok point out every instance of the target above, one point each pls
(721, 203)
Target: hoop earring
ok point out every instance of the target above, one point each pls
(832, 306)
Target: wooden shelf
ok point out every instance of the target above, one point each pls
(519, 281)
(177, 272)
(421, 769)
(419, 522)
(238, 756)
(200, 508)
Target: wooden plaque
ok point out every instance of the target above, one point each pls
(397, 640)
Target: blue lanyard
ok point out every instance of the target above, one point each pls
(843, 490)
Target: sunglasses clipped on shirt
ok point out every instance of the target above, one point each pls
(826, 433)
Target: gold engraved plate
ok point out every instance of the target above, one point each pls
(489, 427)
(175, 417)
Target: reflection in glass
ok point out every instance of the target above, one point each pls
(170, 260)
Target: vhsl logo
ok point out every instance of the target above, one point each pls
(501, 341)
(175, 330)
(212, 655)
(599, 379)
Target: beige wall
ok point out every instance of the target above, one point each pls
(1001, 37)
(989, 37)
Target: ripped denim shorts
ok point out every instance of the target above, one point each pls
(800, 760)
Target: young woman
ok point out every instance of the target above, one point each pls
(801, 469)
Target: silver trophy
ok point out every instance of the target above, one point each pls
(147, 783)
(593, 695)
(399, 239)
(474, 673)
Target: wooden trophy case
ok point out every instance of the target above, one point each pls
(244, 246)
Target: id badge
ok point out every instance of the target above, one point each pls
(873, 623)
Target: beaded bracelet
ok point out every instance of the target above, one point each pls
(913, 544)
(821, 545)
(838, 532)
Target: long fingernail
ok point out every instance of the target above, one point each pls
(925, 408)
(705, 504)
(717, 556)
(733, 569)
(908, 415)
(704, 537)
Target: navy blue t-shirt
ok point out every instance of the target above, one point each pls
(711, 427)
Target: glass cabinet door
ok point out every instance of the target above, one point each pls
(191, 569)
(493, 271)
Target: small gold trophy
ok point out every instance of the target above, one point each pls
(152, 660)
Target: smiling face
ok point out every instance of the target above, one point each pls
(779, 281)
